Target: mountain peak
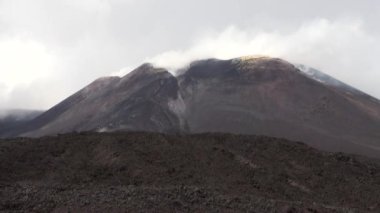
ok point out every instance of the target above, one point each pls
(144, 70)
(252, 57)
(260, 61)
(149, 68)
(100, 84)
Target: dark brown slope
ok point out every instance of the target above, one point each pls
(271, 97)
(119, 172)
(136, 102)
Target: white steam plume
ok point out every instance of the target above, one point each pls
(341, 48)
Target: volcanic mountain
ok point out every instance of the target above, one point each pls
(265, 96)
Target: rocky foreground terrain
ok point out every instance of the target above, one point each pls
(139, 172)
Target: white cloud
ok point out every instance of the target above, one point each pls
(342, 48)
(22, 63)
(64, 45)
(90, 5)
(315, 39)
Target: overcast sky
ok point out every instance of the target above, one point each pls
(51, 48)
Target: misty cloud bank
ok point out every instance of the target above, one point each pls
(51, 49)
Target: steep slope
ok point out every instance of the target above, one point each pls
(361, 99)
(136, 102)
(150, 172)
(272, 97)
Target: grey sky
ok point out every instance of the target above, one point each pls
(50, 49)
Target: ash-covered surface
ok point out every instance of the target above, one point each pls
(134, 172)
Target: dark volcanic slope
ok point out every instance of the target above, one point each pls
(263, 96)
(271, 97)
(105, 172)
(136, 102)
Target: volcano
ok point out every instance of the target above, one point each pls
(247, 95)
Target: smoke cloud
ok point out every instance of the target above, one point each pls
(341, 48)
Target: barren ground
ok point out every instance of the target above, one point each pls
(139, 172)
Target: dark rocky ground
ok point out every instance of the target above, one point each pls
(140, 172)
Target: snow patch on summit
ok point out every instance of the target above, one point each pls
(328, 80)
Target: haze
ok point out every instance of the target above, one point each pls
(50, 49)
